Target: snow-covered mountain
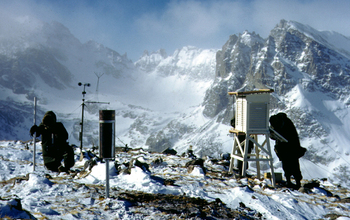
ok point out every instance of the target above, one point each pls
(178, 100)
(309, 72)
(189, 61)
(47, 62)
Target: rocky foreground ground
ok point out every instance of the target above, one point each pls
(70, 196)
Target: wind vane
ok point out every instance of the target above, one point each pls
(99, 75)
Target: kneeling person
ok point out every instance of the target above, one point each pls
(54, 143)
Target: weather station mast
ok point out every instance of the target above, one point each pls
(82, 115)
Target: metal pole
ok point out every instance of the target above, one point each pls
(82, 120)
(82, 125)
(107, 140)
(81, 131)
(34, 138)
(107, 178)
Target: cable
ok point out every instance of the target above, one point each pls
(122, 141)
(318, 166)
(75, 109)
(334, 151)
(306, 169)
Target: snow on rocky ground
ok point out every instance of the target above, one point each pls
(147, 185)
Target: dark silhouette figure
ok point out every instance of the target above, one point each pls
(288, 152)
(55, 147)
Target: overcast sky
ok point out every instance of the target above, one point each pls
(132, 26)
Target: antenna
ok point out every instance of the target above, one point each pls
(99, 75)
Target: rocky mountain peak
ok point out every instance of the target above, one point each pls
(188, 61)
(149, 61)
(236, 48)
(57, 36)
(302, 49)
(292, 53)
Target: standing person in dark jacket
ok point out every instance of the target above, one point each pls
(54, 143)
(288, 152)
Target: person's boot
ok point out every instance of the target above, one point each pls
(289, 183)
(63, 169)
(298, 184)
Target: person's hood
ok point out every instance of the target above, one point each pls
(277, 121)
(49, 118)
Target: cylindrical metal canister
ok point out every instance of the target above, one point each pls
(107, 134)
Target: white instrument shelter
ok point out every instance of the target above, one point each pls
(251, 120)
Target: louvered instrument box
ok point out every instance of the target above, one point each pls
(252, 111)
